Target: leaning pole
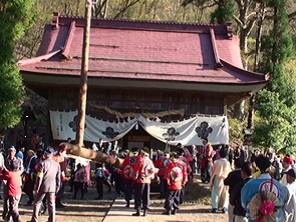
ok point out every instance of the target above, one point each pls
(92, 155)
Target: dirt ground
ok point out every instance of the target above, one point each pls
(86, 210)
(90, 210)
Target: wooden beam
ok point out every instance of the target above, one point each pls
(94, 156)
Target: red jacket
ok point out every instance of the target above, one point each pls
(128, 166)
(161, 163)
(13, 182)
(208, 154)
(184, 161)
(144, 170)
(176, 175)
(187, 154)
(60, 159)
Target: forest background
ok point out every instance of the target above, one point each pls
(266, 30)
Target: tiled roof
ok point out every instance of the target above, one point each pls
(160, 51)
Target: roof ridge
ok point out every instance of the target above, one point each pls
(69, 39)
(37, 59)
(145, 21)
(220, 29)
(218, 64)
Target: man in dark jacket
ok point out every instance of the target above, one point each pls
(235, 196)
(233, 178)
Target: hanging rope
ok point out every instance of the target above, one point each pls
(135, 115)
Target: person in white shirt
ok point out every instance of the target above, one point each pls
(289, 192)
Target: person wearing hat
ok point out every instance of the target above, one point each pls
(161, 164)
(128, 174)
(287, 165)
(47, 185)
(259, 188)
(144, 172)
(176, 177)
(289, 192)
(9, 163)
(11, 160)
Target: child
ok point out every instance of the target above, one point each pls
(79, 181)
(101, 176)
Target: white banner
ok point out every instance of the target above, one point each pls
(188, 132)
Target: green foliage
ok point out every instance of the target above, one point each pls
(276, 105)
(11, 91)
(235, 130)
(272, 126)
(276, 126)
(224, 12)
(15, 17)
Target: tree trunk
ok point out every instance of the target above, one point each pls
(94, 156)
(259, 33)
(251, 112)
(238, 111)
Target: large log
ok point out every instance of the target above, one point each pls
(94, 156)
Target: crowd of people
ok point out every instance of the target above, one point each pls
(253, 187)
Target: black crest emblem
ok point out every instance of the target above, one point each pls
(110, 133)
(203, 131)
(73, 124)
(171, 134)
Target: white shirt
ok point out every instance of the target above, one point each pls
(289, 206)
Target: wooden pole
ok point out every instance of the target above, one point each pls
(83, 79)
(95, 156)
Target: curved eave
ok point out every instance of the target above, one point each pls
(256, 75)
(31, 78)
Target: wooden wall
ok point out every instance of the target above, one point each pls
(138, 101)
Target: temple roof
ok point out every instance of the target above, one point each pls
(149, 54)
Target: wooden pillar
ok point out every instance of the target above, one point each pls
(225, 106)
(83, 79)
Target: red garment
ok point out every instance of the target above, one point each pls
(176, 175)
(161, 163)
(13, 182)
(187, 154)
(183, 159)
(127, 167)
(208, 154)
(60, 159)
(144, 170)
(87, 173)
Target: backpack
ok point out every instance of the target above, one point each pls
(100, 173)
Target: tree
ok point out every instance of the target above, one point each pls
(224, 12)
(15, 16)
(276, 105)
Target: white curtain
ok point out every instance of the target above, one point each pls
(188, 132)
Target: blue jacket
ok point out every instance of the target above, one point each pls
(262, 183)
